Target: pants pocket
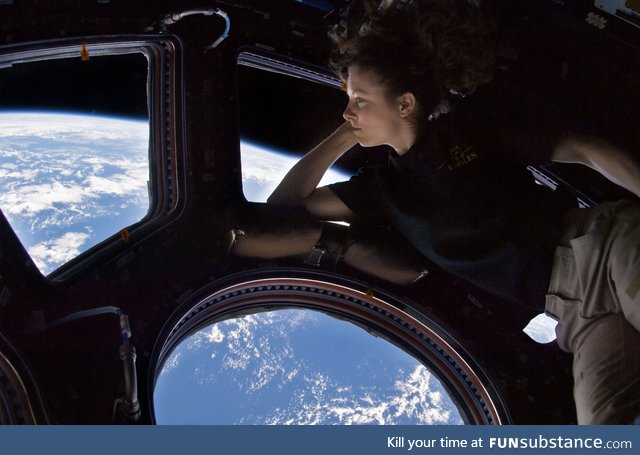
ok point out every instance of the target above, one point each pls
(564, 282)
(564, 298)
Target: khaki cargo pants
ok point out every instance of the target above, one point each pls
(594, 294)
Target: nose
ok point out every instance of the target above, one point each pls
(348, 113)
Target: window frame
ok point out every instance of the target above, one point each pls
(166, 133)
(262, 59)
(397, 320)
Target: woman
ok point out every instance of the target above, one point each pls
(457, 191)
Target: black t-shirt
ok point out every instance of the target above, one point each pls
(463, 197)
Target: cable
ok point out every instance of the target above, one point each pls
(126, 409)
(221, 38)
(84, 314)
(125, 328)
(171, 19)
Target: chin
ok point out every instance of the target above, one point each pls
(366, 143)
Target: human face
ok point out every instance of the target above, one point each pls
(376, 117)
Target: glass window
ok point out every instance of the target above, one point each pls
(74, 152)
(296, 366)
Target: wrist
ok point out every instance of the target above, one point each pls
(345, 133)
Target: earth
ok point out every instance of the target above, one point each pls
(68, 181)
(296, 366)
(263, 169)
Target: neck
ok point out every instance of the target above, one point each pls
(407, 136)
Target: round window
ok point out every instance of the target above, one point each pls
(296, 366)
(308, 351)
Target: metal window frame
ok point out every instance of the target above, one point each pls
(166, 134)
(397, 320)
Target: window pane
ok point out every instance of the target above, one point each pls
(296, 366)
(74, 170)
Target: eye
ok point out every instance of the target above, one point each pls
(359, 100)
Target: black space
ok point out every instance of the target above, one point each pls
(284, 112)
(109, 85)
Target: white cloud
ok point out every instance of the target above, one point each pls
(172, 362)
(117, 184)
(240, 345)
(323, 401)
(417, 399)
(80, 129)
(59, 250)
(215, 335)
(23, 174)
(28, 200)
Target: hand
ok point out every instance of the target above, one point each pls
(346, 128)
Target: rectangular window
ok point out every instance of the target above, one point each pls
(75, 161)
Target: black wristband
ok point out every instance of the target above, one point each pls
(333, 242)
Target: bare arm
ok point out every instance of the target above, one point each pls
(284, 231)
(303, 178)
(395, 264)
(598, 154)
(274, 231)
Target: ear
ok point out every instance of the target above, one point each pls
(406, 104)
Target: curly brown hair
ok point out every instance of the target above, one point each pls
(429, 48)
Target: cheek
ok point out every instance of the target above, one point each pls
(372, 119)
